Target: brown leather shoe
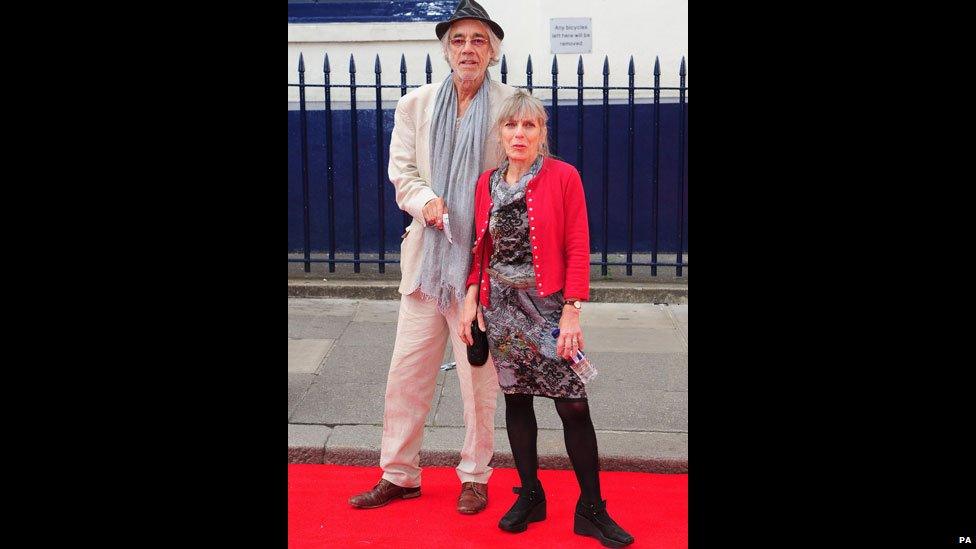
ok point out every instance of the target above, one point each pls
(473, 498)
(384, 492)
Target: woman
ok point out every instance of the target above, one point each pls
(531, 269)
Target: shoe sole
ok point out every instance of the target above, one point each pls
(583, 527)
(466, 512)
(410, 495)
(536, 515)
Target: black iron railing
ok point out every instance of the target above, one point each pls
(680, 263)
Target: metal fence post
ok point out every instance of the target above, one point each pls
(657, 163)
(606, 163)
(330, 164)
(579, 117)
(554, 135)
(304, 137)
(354, 142)
(403, 91)
(380, 184)
(681, 165)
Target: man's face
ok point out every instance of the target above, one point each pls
(469, 47)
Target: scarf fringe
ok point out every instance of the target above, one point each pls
(448, 295)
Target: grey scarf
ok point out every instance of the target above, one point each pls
(455, 165)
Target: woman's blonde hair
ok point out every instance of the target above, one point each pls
(525, 105)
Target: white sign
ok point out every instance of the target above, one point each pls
(570, 35)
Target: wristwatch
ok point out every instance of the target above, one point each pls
(575, 303)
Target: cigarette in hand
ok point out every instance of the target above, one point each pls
(447, 229)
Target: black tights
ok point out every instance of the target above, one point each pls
(577, 431)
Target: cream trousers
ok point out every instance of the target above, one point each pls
(417, 355)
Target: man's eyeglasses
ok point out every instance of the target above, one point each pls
(477, 42)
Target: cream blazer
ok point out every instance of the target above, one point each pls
(409, 168)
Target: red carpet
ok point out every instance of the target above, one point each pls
(653, 508)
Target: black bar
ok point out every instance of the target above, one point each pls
(579, 117)
(403, 75)
(554, 135)
(635, 263)
(657, 156)
(354, 136)
(630, 167)
(391, 86)
(389, 261)
(313, 260)
(329, 163)
(306, 247)
(680, 263)
(560, 87)
(606, 161)
(380, 211)
(681, 165)
(403, 91)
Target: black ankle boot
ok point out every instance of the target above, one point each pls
(529, 507)
(592, 520)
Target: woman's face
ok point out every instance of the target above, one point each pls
(521, 138)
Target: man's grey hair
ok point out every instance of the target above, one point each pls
(494, 41)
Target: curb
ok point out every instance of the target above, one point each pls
(350, 445)
(600, 292)
(433, 458)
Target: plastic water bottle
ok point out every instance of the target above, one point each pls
(581, 365)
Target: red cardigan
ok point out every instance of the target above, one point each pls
(558, 229)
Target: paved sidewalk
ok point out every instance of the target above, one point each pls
(339, 353)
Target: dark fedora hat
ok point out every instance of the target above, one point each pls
(469, 9)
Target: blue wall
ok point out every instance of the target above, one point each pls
(592, 177)
(359, 11)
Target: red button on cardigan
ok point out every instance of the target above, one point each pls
(559, 211)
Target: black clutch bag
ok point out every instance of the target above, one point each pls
(478, 353)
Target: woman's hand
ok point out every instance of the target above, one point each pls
(570, 336)
(469, 311)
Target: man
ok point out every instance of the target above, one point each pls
(442, 141)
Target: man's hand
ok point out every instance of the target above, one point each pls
(434, 211)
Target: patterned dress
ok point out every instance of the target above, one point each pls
(520, 323)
